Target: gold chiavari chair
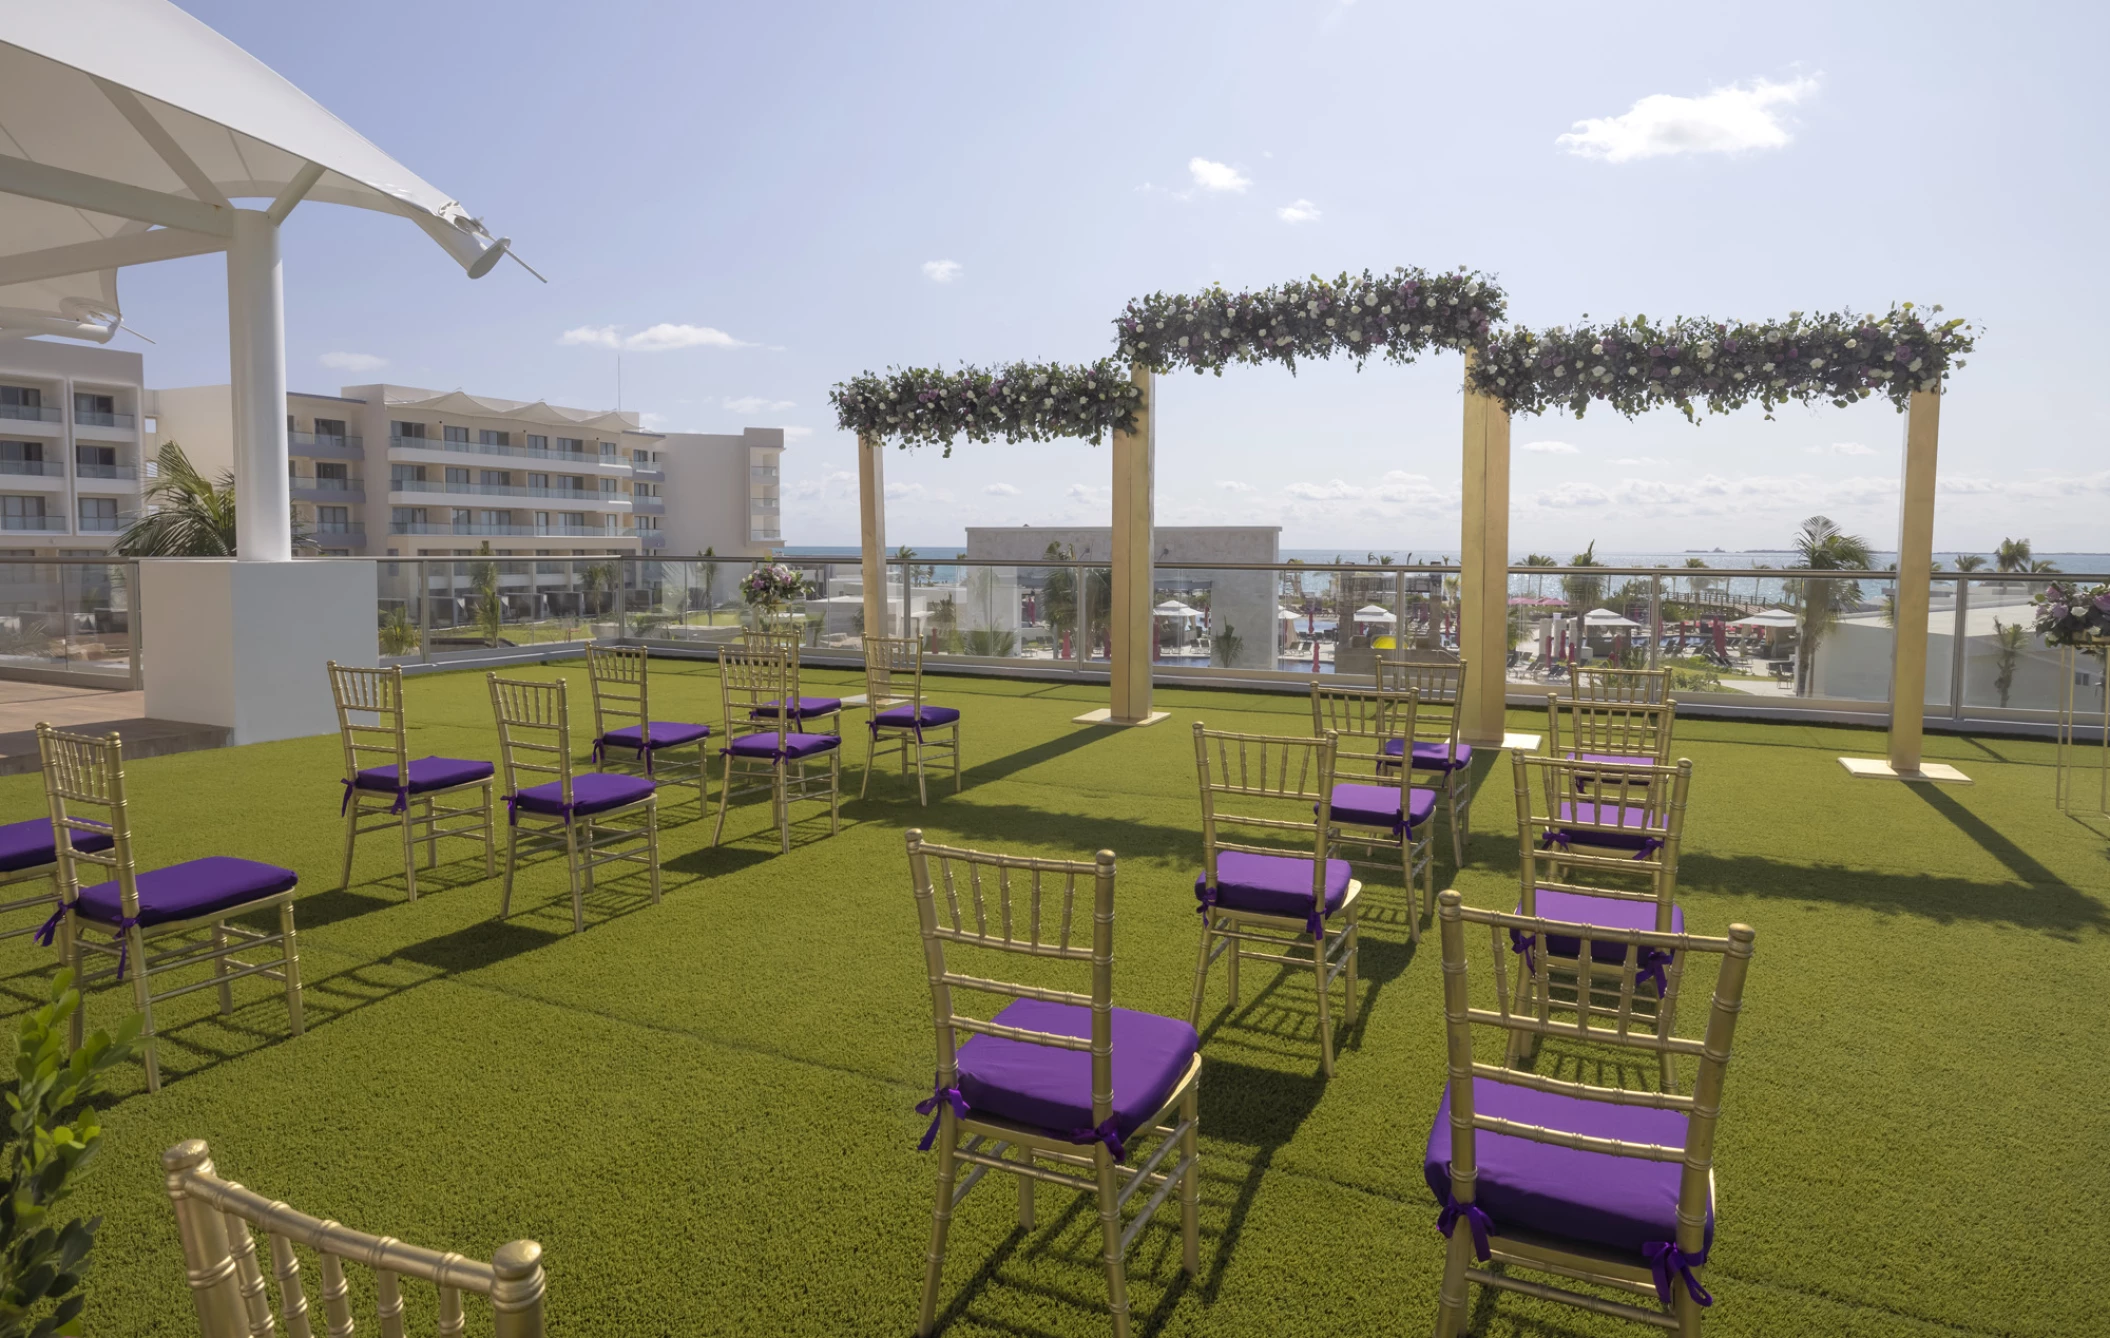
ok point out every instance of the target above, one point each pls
(1623, 733)
(216, 1220)
(1438, 684)
(899, 720)
(623, 723)
(1373, 727)
(1265, 889)
(595, 818)
(384, 787)
(1599, 846)
(1648, 686)
(160, 921)
(763, 754)
(825, 712)
(1608, 1186)
(1059, 1086)
(29, 854)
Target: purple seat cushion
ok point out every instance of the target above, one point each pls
(801, 709)
(592, 792)
(795, 745)
(665, 734)
(30, 844)
(1051, 1089)
(1604, 913)
(1433, 756)
(1378, 805)
(188, 890)
(427, 773)
(1271, 884)
(1621, 1203)
(1582, 810)
(904, 717)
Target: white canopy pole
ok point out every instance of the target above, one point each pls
(256, 330)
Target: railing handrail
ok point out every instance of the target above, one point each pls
(494, 448)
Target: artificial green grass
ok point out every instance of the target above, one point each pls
(703, 1109)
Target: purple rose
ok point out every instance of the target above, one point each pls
(2058, 612)
(2102, 603)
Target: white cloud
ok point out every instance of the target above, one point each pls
(754, 404)
(1551, 448)
(1640, 460)
(1217, 176)
(901, 492)
(1726, 120)
(1303, 211)
(1840, 448)
(941, 271)
(652, 339)
(1233, 485)
(1001, 490)
(352, 362)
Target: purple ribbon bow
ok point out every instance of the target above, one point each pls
(513, 811)
(1651, 963)
(402, 798)
(50, 927)
(940, 1097)
(1475, 1220)
(1520, 942)
(1315, 926)
(1664, 1259)
(1107, 1133)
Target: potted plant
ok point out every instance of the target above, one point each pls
(769, 588)
(2069, 615)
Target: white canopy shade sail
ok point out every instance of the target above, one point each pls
(1173, 608)
(1289, 615)
(1373, 613)
(127, 127)
(1768, 619)
(1607, 618)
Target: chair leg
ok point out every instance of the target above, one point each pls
(1406, 869)
(490, 835)
(725, 796)
(143, 1001)
(703, 780)
(219, 968)
(410, 855)
(1110, 1227)
(780, 800)
(871, 742)
(1318, 954)
(70, 954)
(922, 794)
(1453, 1292)
(1352, 954)
(940, 1219)
(432, 835)
(351, 834)
(1190, 1184)
(835, 790)
(1452, 785)
(571, 866)
(289, 958)
(652, 843)
(505, 898)
(589, 845)
(1684, 1309)
(1025, 1201)
(955, 757)
(1201, 973)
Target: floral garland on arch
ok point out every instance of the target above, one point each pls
(2069, 615)
(1403, 314)
(1025, 401)
(1634, 365)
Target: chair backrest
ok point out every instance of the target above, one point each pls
(893, 672)
(751, 677)
(534, 732)
(1027, 908)
(1603, 1012)
(1265, 795)
(370, 719)
(214, 1218)
(84, 785)
(1651, 686)
(618, 676)
(1438, 682)
(1374, 728)
(778, 637)
(1589, 826)
(1609, 728)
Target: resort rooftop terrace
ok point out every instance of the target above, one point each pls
(704, 1110)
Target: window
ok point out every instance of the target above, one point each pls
(573, 520)
(494, 518)
(537, 443)
(330, 429)
(640, 457)
(460, 434)
(648, 522)
(608, 487)
(570, 483)
(542, 522)
(100, 462)
(461, 517)
(572, 444)
(495, 478)
(334, 470)
(91, 406)
(457, 477)
(398, 475)
(21, 457)
(542, 481)
(21, 397)
(608, 450)
(489, 438)
(407, 431)
(407, 515)
(333, 519)
(291, 426)
(98, 515)
(22, 513)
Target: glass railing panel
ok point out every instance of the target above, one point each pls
(2005, 665)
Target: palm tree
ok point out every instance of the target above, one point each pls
(2009, 641)
(490, 613)
(1584, 592)
(1538, 583)
(2012, 555)
(710, 585)
(1969, 561)
(1821, 545)
(2042, 565)
(187, 514)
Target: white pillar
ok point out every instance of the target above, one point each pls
(1908, 669)
(256, 328)
(1134, 553)
(871, 515)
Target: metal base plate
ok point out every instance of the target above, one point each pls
(1105, 716)
(1875, 768)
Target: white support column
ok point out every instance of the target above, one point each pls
(1483, 632)
(871, 524)
(256, 327)
(1135, 551)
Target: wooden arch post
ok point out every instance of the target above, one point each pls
(1483, 577)
(1134, 551)
(871, 527)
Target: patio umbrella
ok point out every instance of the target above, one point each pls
(1771, 618)
(127, 128)
(1607, 618)
(1372, 613)
(1172, 608)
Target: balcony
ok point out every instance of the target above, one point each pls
(35, 524)
(331, 491)
(650, 473)
(564, 496)
(120, 420)
(101, 525)
(325, 447)
(557, 531)
(34, 468)
(338, 534)
(513, 452)
(106, 471)
(29, 413)
(649, 506)
(651, 538)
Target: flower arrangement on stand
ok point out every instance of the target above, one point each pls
(926, 406)
(769, 587)
(2070, 615)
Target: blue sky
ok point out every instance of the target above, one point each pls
(800, 192)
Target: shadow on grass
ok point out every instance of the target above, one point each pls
(1010, 764)
(484, 943)
(2049, 906)
(2019, 862)
(1005, 825)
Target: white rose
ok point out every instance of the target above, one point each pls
(1914, 365)
(1329, 322)
(1370, 299)
(1183, 341)
(1816, 364)
(1385, 310)
(1597, 349)
(1849, 343)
